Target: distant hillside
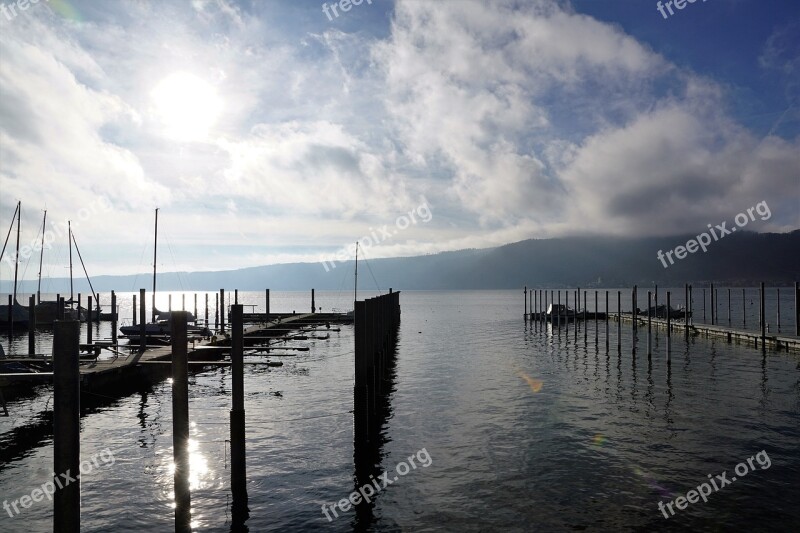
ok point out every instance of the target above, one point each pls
(738, 259)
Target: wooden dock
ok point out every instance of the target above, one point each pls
(129, 366)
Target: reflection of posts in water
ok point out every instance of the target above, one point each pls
(238, 464)
(180, 420)
(66, 426)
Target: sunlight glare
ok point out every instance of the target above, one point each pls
(187, 105)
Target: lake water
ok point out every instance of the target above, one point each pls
(526, 429)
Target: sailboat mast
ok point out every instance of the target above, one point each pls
(16, 258)
(155, 252)
(41, 257)
(355, 285)
(71, 292)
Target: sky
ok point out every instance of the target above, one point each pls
(271, 132)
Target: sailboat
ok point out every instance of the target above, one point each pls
(159, 326)
(47, 312)
(15, 316)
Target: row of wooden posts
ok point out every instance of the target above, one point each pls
(538, 300)
(66, 430)
(376, 322)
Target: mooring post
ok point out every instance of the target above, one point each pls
(97, 312)
(32, 325)
(66, 426)
(313, 303)
(238, 464)
(558, 319)
(222, 309)
(763, 315)
(114, 318)
(619, 320)
(585, 328)
(669, 317)
(546, 301)
(169, 304)
(180, 421)
(649, 323)
(195, 307)
(531, 297)
(744, 309)
(10, 321)
(134, 308)
(716, 306)
(59, 308)
(183, 302)
(235, 298)
(606, 322)
(89, 322)
(686, 307)
(729, 307)
(634, 307)
(595, 313)
(704, 305)
(216, 310)
(778, 296)
(691, 305)
(206, 312)
(525, 299)
(713, 306)
(142, 322)
(267, 304)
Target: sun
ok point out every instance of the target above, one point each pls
(187, 106)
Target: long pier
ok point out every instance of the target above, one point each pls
(540, 305)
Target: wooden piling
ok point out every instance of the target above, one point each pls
(32, 325)
(10, 318)
(267, 304)
(195, 307)
(222, 309)
(762, 314)
(183, 302)
(66, 426)
(525, 298)
(206, 312)
(313, 304)
(169, 303)
(606, 322)
(649, 322)
(235, 298)
(97, 309)
(89, 321)
(744, 309)
(669, 317)
(619, 320)
(237, 416)
(713, 305)
(778, 296)
(114, 318)
(142, 322)
(216, 310)
(180, 421)
(59, 308)
(134, 309)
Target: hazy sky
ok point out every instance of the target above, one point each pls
(271, 132)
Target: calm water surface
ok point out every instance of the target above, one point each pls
(527, 430)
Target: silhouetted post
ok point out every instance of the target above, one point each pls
(361, 397)
(66, 426)
(649, 322)
(525, 297)
(716, 306)
(89, 321)
(713, 305)
(686, 307)
(216, 311)
(134, 308)
(729, 307)
(619, 320)
(691, 305)
(558, 318)
(267, 304)
(704, 305)
(222, 309)
(113, 318)
(585, 329)
(238, 464)
(546, 301)
(669, 316)
(180, 421)
(169, 303)
(235, 297)
(778, 296)
(97, 311)
(32, 325)
(313, 303)
(763, 315)
(206, 312)
(183, 302)
(606, 322)
(195, 306)
(530, 302)
(655, 298)
(595, 313)
(744, 309)
(10, 318)
(634, 306)
(578, 299)
(142, 322)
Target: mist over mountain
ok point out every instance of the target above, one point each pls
(739, 259)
